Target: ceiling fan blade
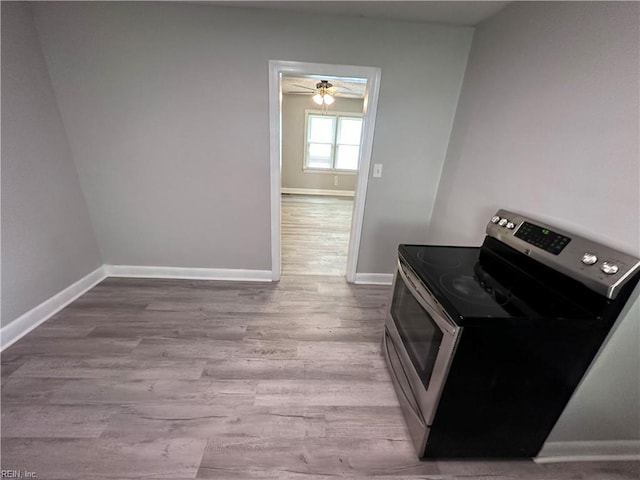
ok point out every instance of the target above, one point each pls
(305, 87)
(345, 87)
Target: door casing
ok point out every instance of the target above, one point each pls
(277, 69)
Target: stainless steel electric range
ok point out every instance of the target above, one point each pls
(486, 345)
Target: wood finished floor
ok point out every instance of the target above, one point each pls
(315, 234)
(178, 379)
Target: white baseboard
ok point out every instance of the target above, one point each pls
(22, 325)
(591, 451)
(317, 191)
(18, 328)
(237, 275)
(374, 278)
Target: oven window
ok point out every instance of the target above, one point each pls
(420, 335)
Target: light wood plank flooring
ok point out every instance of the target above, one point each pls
(315, 234)
(178, 379)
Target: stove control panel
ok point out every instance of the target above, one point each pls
(543, 238)
(601, 268)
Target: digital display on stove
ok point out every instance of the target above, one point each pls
(543, 238)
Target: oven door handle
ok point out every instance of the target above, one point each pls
(428, 304)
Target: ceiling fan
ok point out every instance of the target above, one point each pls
(324, 93)
(323, 88)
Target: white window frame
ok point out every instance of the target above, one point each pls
(334, 146)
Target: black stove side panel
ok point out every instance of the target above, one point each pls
(508, 384)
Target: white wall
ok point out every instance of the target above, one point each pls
(166, 110)
(547, 125)
(47, 239)
(293, 137)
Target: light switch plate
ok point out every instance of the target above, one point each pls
(377, 170)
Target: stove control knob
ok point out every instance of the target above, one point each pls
(511, 225)
(503, 222)
(609, 268)
(495, 219)
(589, 259)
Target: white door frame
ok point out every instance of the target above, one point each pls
(277, 69)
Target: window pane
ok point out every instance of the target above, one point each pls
(321, 128)
(319, 155)
(349, 130)
(347, 157)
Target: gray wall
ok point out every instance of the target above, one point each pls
(166, 111)
(293, 136)
(47, 239)
(547, 124)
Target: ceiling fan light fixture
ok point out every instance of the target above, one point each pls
(322, 95)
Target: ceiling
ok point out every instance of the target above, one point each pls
(463, 13)
(466, 13)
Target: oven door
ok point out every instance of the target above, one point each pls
(419, 343)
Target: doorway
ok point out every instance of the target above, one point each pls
(370, 75)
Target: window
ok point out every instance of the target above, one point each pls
(332, 141)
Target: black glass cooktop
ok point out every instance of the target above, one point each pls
(469, 283)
